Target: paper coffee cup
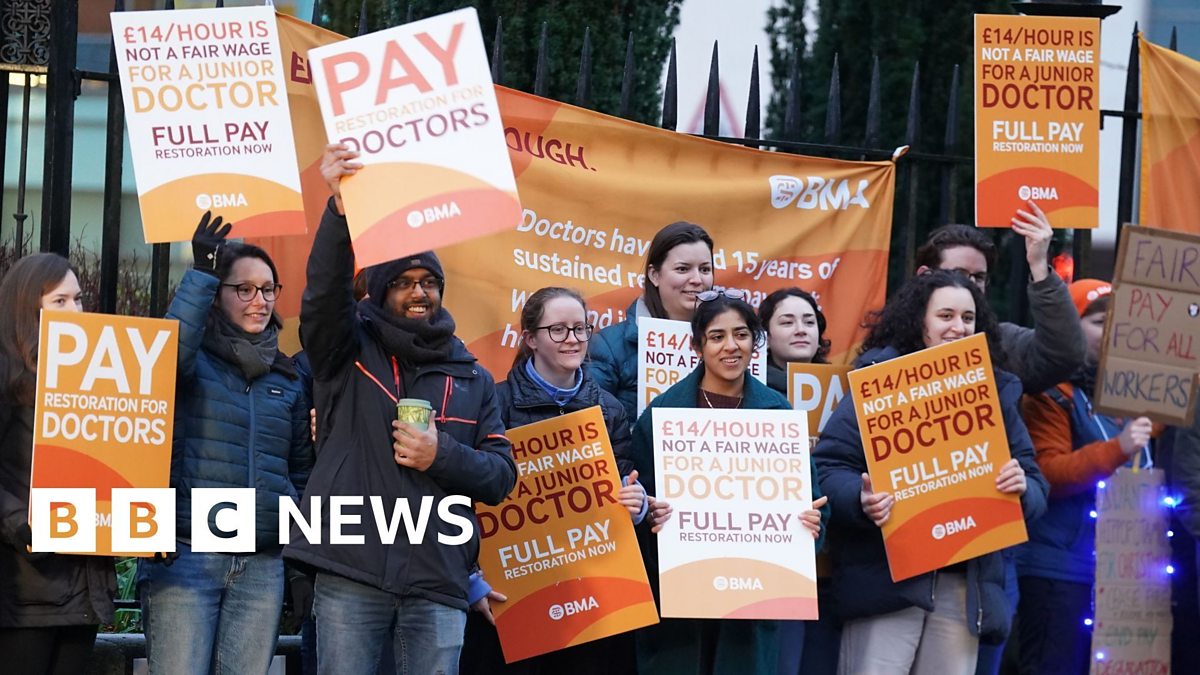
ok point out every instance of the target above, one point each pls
(414, 411)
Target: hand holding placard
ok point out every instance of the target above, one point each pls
(877, 505)
(336, 164)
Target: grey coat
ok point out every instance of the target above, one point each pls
(1042, 357)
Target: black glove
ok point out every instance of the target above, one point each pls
(207, 242)
(300, 586)
(166, 558)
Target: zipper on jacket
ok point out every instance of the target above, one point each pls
(446, 399)
(250, 464)
(933, 590)
(979, 599)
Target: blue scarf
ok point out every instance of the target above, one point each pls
(559, 396)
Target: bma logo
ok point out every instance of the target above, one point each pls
(220, 200)
(573, 607)
(815, 192)
(940, 531)
(432, 214)
(737, 583)
(1046, 193)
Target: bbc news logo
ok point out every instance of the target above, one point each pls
(942, 530)
(223, 520)
(573, 607)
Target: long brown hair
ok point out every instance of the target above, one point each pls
(21, 294)
(535, 308)
(669, 237)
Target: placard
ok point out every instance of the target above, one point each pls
(208, 121)
(739, 481)
(561, 546)
(665, 356)
(934, 437)
(1150, 360)
(1037, 119)
(816, 388)
(417, 102)
(105, 408)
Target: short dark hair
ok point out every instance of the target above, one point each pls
(235, 251)
(952, 236)
(21, 291)
(1098, 305)
(706, 312)
(766, 310)
(535, 308)
(669, 237)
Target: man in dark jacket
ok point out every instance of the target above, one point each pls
(397, 343)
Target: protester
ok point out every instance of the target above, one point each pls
(398, 343)
(795, 328)
(241, 422)
(931, 623)
(548, 379)
(50, 604)
(679, 264)
(1076, 447)
(725, 330)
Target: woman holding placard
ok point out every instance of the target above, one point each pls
(934, 622)
(679, 265)
(50, 604)
(242, 422)
(547, 379)
(725, 332)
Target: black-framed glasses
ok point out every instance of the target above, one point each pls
(558, 332)
(246, 291)
(980, 278)
(716, 292)
(404, 284)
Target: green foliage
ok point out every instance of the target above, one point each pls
(125, 620)
(651, 22)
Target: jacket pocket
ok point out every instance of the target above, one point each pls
(48, 580)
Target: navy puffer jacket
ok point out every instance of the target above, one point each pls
(613, 358)
(230, 433)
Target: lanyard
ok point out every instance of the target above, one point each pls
(395, 375)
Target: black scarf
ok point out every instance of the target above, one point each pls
(1085, 379)
(252, 353)
(416, 341)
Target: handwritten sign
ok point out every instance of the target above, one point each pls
(1132, 632)
(208, 120)
(934, 436)
(816, 388)
(1150, 362)
(561, 546)
(739, 480)
(665, 356)
(1037, 118)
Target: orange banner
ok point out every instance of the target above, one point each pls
(1037, 119)
(105, 407)
(1170, 139)
(561, 546)
(816, 388)
(934, 437)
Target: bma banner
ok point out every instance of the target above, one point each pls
(739, 481)
(417, 102)
(665, 356)
(104, 416)
(816, 388)
(561, 546)
(1132, 631)
(1150, 361)
(1170, 138)
(934, 437)
(1037, 118)
(208, 120)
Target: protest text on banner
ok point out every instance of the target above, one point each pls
(816, 388)
(665, 356)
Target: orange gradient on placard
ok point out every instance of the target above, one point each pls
(60, 467)
(1004, 190)
(992, 516)
(1170, 139)
(691, 590)
(171, 210)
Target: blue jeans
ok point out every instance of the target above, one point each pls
(354, 621)
(211, 612)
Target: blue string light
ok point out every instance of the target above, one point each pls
(1099, 656)
(1101, 485)
(1093, 513)
(1087, 622)
(1170, 569)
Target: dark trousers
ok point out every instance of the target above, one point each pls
(56, 650)
(1054, 640)
(482, 655)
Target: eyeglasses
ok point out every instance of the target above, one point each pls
(247, 291)
(980, 278)
(558, 332)
(716, 292)
(404, 284)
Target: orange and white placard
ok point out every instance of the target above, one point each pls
(738, 481)
(665, 356)
(209, 127)
(417, 102)
(934, 438)
(816, 388)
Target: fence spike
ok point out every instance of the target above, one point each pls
(712, 101)
(408, 15)
(791, 113)
(1174, 40)
(498, 52)
(1129, 139)
(583, 85)
(316, 13)
(752, 105)
(946, 210)
(950, 142)
(170, 4)
(220, 4)
(540, 74)
(670, 108)
(912, 129)
(833, 109)
(118, 6)
(362, 19)
(874, 121)
(627, 79)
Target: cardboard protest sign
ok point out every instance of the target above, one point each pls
(934, 437)
(105, 410)
(417, 102)
(665, 356)
(739, 481)
(208, 120)
(816, 389)
(1132, 625)
(561, 546)
(1150, 362)
(1037, 118)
